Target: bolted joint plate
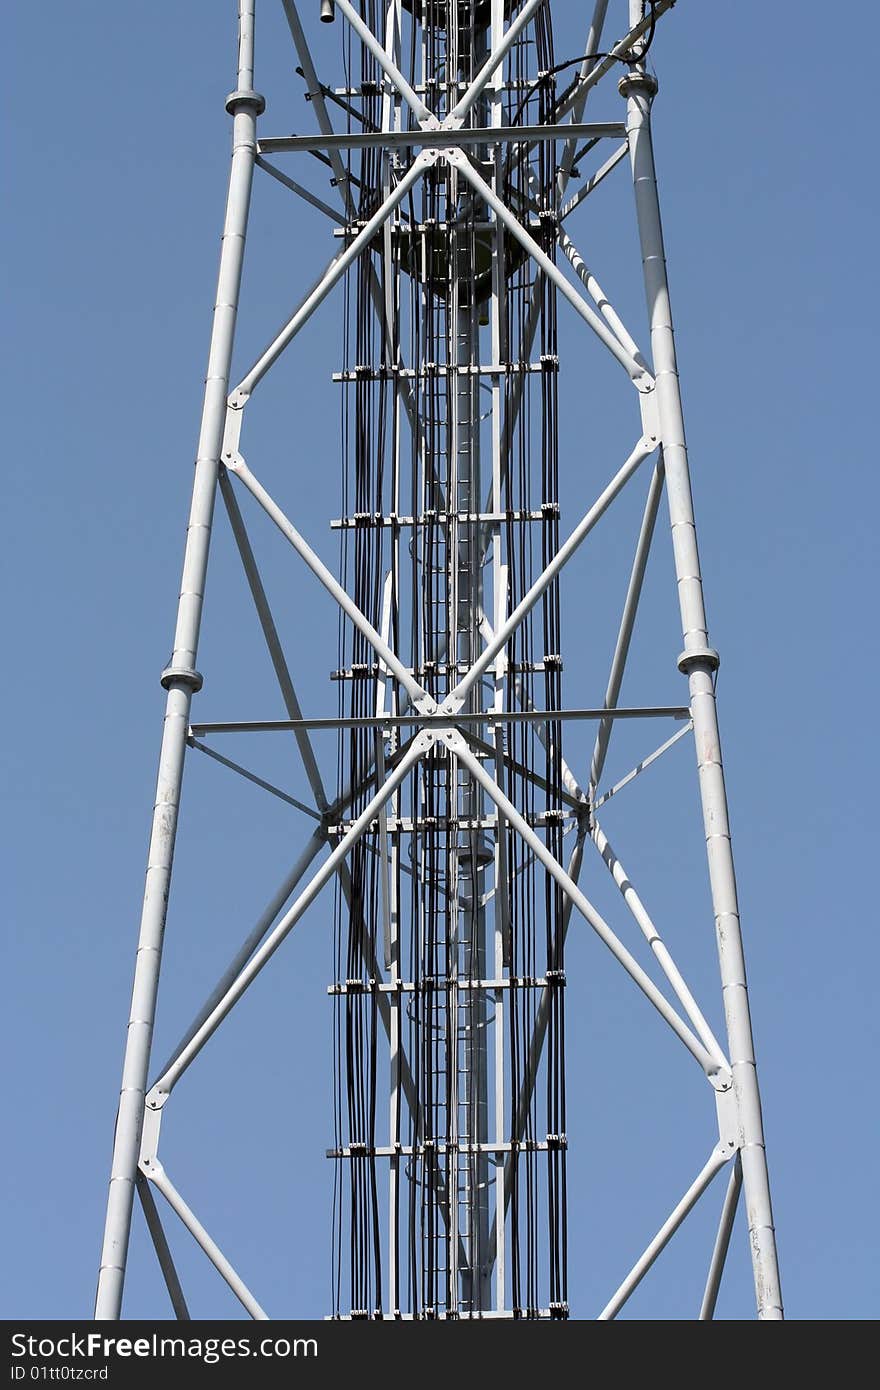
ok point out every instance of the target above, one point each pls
(156, 1096)
(727, 1111)
(648, 406)
(232, 426)
(150, 1139)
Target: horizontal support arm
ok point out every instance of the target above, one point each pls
(397, 721)
(439, 139)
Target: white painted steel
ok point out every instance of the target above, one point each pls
(643, 450)
(622, 49)
(163, 1087)
(627, 622)
(416, 693)
(332, 275)
(641, 766)
(180, 686)
(422, 113)
(715, 1163)
(251, 942)
(700, 662)
(722, 1242)
(592, 183)
(661, 395)
(598, 295)
(591, 47)
(658, 946)
(584, 907)
(635, 370)
(163, 1252)
(156, 1174)
(499, 50)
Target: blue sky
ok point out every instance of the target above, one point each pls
(117, 157)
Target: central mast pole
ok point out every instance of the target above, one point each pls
(472, 852)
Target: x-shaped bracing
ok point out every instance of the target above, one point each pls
(437, 737)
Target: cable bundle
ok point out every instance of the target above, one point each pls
(434, 953)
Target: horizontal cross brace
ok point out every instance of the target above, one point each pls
(409, 825)
(365, 520)
(395, 721)
(428, 986)
(447, 1146)
(432, 85)
(444, 1315)
(365, 672)
(430, 370)
(441, 139)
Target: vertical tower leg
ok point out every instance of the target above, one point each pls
(698, 661)
(181, 681)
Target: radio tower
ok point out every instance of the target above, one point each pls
(452, 829)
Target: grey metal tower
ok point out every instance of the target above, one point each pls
(461, 157)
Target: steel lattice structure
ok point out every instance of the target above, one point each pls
(444, 838)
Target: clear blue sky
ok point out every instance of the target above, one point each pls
(117, 147)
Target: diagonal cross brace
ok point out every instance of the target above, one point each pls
(455, 741)
(420, 698)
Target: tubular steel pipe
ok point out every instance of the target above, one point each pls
(722, 1242)
(627, 622)
(643, 450)
(422, 113)
(331, 276)
(180, 681)
(263, 954)
(418, 696)
(591, 48)
(584, 907)
(495, 58)
(699, 662)
(655, 941)
(254, 938)
(716, 1162)
(163, 1252)
(158, 1176)
(598, 295)
(622, 49)
(270, 633)
(634, 369)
